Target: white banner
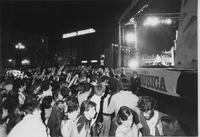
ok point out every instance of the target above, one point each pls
(158, 79)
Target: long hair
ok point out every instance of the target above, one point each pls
(123, 114)
(56, 117)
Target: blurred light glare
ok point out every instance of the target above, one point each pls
(93, 61)
(168, 21)
(19, 46)
(84, 61)
(87, 31)
(68, 35)
(25, 62)
(133, 63)
(10, 60)
(151, 21)
(130, 37)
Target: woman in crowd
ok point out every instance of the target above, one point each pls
(68, 125)
(3, 118)
(127, 124)
(56, 117)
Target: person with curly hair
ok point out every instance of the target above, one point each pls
(150, 118)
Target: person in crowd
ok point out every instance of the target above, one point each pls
(87, 113)
(150, 117)
(56, 117)
(123, 98)
(8, 85)
(46, 108)
(34, 88)
(46, 90)
(68, 125)
(3, 119)
(15, 114)
(31, 125)
(87, 90)
(171, 126)
(102, 120)
(19, 87)
(62, 93)
(113, 84)
(127, 123)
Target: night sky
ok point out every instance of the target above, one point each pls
(53, 18)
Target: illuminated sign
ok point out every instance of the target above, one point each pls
(87, 31)
(81, 32)
(68, 35)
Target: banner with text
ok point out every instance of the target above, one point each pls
(158, 79)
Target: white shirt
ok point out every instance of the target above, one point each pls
(82, 97)
(29, 126)
(123, 98)
(123, 131)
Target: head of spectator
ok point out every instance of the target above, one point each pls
(100, 89)
(171, 126)
(46, 107)
(105, 79)
(31, 106)
(125, 84)
(8, 85)
(46, 86)
(19, 85)
(72, 107)
(147, 105)
(88, 109)
(126, 117)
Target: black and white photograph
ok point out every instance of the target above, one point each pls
(98, 68)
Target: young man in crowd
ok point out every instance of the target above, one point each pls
(149, 117)
(31, 125)
(87, 113)
(123, 98)
(68, 125)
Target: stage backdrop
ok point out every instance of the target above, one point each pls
(186, 51)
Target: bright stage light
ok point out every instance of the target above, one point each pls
(151, 21)
(168, 21)
(130, 37)
(133, 63)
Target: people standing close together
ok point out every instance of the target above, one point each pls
(95, 105)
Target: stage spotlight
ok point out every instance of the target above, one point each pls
(130, 37)
(133, 63)
(151, 21)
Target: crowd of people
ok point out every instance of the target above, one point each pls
(78, 102)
